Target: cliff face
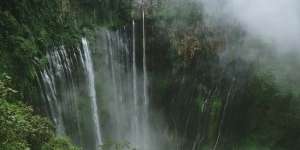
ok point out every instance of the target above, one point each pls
(210, 89)
(30, 28)
(209, 95)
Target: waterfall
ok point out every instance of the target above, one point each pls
(50, 96)
(72, 108)
(88, 66)
(69, 87)
(125, 86)
(58, 89)
(135, 97)
(134, 71)
(145, 80)
(146, 101)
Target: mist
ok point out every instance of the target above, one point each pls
(272, 31)
(276, 22)
(129, 122)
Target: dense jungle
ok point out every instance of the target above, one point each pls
(149, 75)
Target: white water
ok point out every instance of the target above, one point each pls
(128, 100)
(62, 79)
(50, 96)
(146, 101)
(145, 86)
(59, 69)
(92, 91)
(127, 88)
(135, 93)
(112, 66)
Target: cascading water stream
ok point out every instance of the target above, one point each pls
(92, 91)
(61, 80)
(58, 89)
(50, 96)
(146, 101)
(128, 104)
(134, 82)
(128, 99)
(145, 80)
(58, 70)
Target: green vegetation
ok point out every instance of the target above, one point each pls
(28, 29)
(59, 144)
(201, 94)
(20, 129)
(207, 89)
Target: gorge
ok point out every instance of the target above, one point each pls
(149, 75)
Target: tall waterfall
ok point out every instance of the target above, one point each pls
(68, 87)
(57, 70)
(134, 79)
(145, 82)
(125, 86)
(88, 66)
(144, 58)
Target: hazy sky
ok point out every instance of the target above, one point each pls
(276, 22)
(273, 20)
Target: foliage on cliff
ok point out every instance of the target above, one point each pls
(28, 29)
(20, 128)
(209, 92)
(203, 94)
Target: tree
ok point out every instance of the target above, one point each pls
(20, 129)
